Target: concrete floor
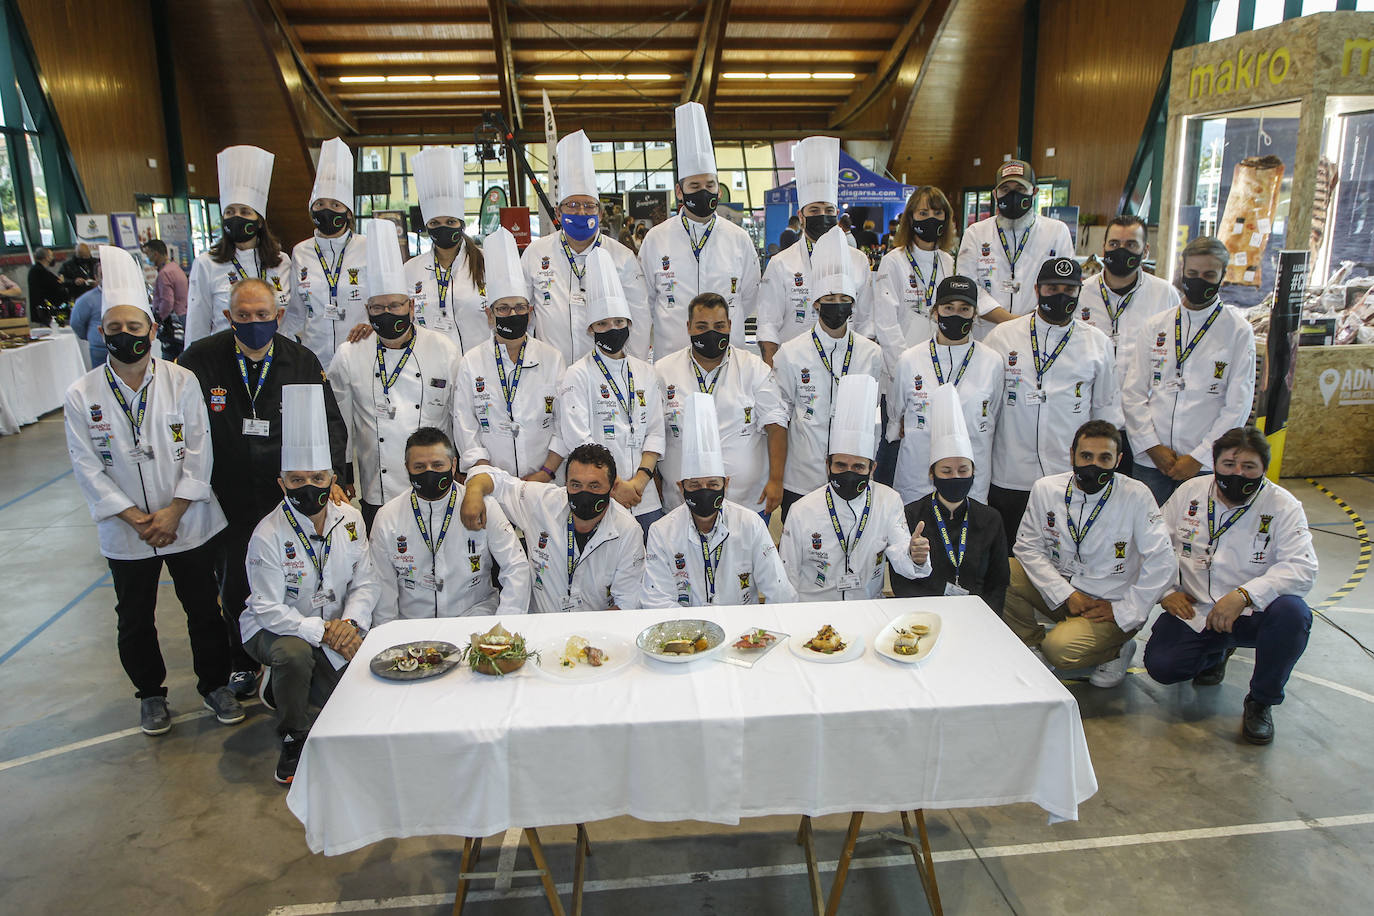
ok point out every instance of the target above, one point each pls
(98, 818)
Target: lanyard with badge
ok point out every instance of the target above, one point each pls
(332, 274)
(574, 558)
(626, 405)
(955, 559)
(443, 279)
(508, 388)
(252, 426)
(572, 259)
(432, 581)
(705, 236)
(1043, 366)
(825, 360)
(710, 561)
(1181, 353)
(1214, 533)
(959, 373)
(389, 378)
(701, 379)
(1115, 314)
(139, 453)
(1080, 534)
(849, 579)
(262, 268)
(1006, 249)
(319, 561)
(920, 277)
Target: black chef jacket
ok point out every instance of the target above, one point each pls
(983, 570)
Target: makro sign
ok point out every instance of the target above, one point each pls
(1350, 388)
(1356, 49)
(1245, 71)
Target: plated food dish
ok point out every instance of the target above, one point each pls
(750, 646)
(584, 656)
(680, 641)
(413, 661)
(497, 652)
(827, 645)
(909, 638)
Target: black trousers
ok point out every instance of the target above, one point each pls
(1011, 505)
(231, 572)
(788, 498)
(135, 585)
(369, 512)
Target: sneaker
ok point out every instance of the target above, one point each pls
(1258, 724)
(269, 699)
(222, 702)
(154, 717)
(292, 743)
(1112, 673)
(243, 683)
(1215, 674)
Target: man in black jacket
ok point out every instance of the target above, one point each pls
(46, 293)
(78, 272)
(241, 372)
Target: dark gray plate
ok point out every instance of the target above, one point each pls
(383, 664)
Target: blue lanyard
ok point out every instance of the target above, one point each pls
(858, 531)
(1213, 532)
(710, 559)
(443, 279)
(1013, 258)
(1075, 532)
(443, 528)
(1042, 367)
(934, 274)
(135, 419)
(959, 374)
(389, 379)
(262, 268)
(572, 256)
(1181, 352)
(331, 276)
(315, 560)
(705, 236)
(701, 379)
(825, 360)
(954, 559)
(1115, 316)
(627, 406)
(253, 392)
(508, 390)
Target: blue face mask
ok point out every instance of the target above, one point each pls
(579, 226)
(254, 335)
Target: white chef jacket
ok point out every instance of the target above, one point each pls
(606, 572)
(460, 316)
(1267, 550)
(785, 298)
(285, 586)
(560, 305)
(905, 299)
(909, 414)
(175, 426)
(320, 320)
(808, 389)
(746, 564)
(728, 266)
(815, 560)
(586, 409)
(516, 437)
(1218, 380)
(1148, 297)
(456, 582)
(747, 400)
(422, 396)
(983, 259)
(1125, 556)
(1033, 440)
(208, 289)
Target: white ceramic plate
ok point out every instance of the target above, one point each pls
(650, 638)
(882, 643)
(853, 648)
(620, 652)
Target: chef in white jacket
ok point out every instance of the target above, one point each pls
(586, 551)
(613, 399)
(697, 252)
(328, 297)
(909, 275)
(1191, 377)
(753, 420)
(313, 585)
(446, 282)
(710, 550)
(138, 436)
(789, 284)
(557, 263)
(246, 247)
(427, 563)
(1003, 252)
(1122, 299)
(808, 369)
(506, 384)
(391, 383)
(1093, 555)
(839, 539)
(950, 357)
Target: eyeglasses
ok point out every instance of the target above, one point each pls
(505, 311)
(395, 308)
(574, 207)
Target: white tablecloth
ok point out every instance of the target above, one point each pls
(980, 722)
(34, 379)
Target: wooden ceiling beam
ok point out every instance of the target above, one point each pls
(886, 71)
(505, 63)
(701, 78)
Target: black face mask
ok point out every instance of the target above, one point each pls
(848, 484)
(1090, 478)
(612, 341)
(445, 236)
(928, 230)
(587, 505)
(954, 327)
(512, 327)
(818, 224)
(953, 489)
(701, 203)
(710, 344)
(705, 502)
(308, 499)
(328, 221)
(1014, 204)
(1199, 291)
(1058, 307)
(126, 348)
(835, 314)
(1121, 261)
(1238, 488)
(389, 326)
(240, 229)
(431, 485)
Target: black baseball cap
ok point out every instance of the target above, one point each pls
(1060, 270)
(957, 289)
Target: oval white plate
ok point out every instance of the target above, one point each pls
(620, 652)
(882, 643)
(853, 648)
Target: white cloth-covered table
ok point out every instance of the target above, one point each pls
(34, 379)
(980, 722)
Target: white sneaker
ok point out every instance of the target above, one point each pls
(1112, 673)
(1040, 657)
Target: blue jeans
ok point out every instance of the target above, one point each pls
(647, 519)
(1161, 485)
(1278, 634)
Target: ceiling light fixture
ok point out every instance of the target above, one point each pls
(410, 78)
(457, 78)
(741, 75)
(789, 76)
(362, 79)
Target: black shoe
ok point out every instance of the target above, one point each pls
(1215, 674)
(1258, 724)
(292, 743)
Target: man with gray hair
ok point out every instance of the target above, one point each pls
(46, 293)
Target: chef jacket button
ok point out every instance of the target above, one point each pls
(380, 439)
(383, 470)
(417, 406)
(376, 375)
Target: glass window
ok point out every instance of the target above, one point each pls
(1268, 12)
(1317, 6)
(40, 191)
(1224, 19)
(9, 203)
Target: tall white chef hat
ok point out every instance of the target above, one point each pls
(501, 262)
(605, 295)
(832, 267)
(385, 274)
(576, 171)
(817, 161)
(439, 182)
(334, 174)
(695, 153)
(701, 456)
(245, 174)
(121, 281)
(304, 429)
(854, 422)
(948, 431)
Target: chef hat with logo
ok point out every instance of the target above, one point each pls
(605, 296)
(701, 455)
(854, 423)
(334, 174)
(505, 278)
(817, 162)
(439, 182)
(385, 273)
(576, 170)
(245, 174)
(304, 429)
(696, 155)
(832, 267)
(121, 281)
(948, 431)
